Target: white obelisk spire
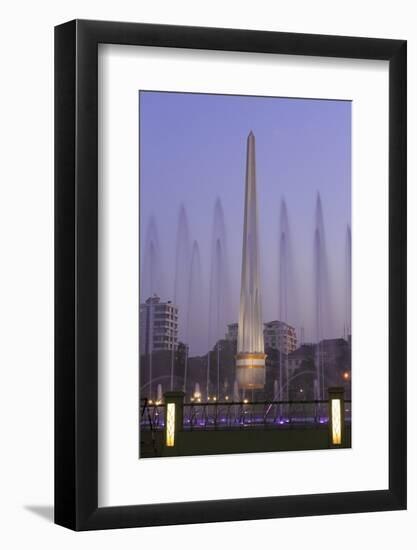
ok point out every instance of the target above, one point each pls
(250, 358)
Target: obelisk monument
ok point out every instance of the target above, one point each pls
(250, 358)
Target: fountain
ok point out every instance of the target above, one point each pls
(194, 330)
(205, 310)
(151, 282)
(181, 278)
(323, 309)
(348, 283)
(219, 291)
(287, 292)
(197, 391)
(182, 266)
(152, 275)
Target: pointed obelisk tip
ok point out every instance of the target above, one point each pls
(251, 134)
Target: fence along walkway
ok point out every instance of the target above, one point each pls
(242, 414)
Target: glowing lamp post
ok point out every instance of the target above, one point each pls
(174, 416)
(336, 417)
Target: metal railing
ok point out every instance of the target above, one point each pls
(242, 415)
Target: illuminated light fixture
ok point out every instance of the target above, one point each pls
(150, 401)
(214, 398)
(245, 401)
(197, 394)
(199, 400)
(336, 422)
(170, 428)
(346, 375)
(336, 412)
(192, 399)
(227, 398)
(208, 398)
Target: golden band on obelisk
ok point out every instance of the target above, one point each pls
(250, 358)
(247, 367)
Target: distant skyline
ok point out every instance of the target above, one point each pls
(192, 153)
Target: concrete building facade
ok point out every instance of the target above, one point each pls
(158, 326)
(281, 336)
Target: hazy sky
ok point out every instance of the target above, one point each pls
(193, 151)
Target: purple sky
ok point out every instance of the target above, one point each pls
(192, 150)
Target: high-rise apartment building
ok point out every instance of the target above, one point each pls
(158, 326)
(231, 334)
(281, 336)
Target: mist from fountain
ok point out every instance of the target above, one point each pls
(219, 291)
(287, 292)
(197, 391)
(152, 275)
(181, 278)
(194, 324)
(323, 304)
(200, 332)
(182, 267)
(152, 282)
(348, 283)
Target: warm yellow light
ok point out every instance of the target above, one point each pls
(214, 398)
(197, 394)
(346, 375)
(170, 429)
(245, 401)
(150, 401)
(336, 422)
(208, 398)
(227, 398)
(158, 402)
(192, 399)
(199, 400)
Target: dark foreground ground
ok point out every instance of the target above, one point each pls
(246, 440)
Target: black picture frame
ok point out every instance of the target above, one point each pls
(76, 272)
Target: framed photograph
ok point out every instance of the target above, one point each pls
(230, 252)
